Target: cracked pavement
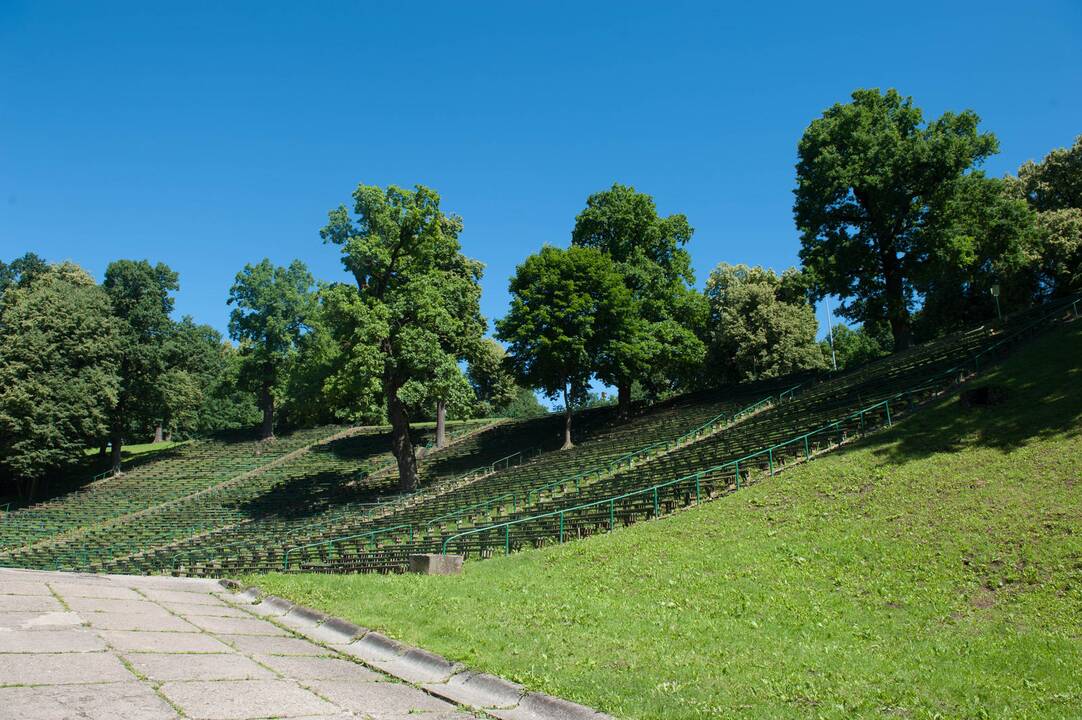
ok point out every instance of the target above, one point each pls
(158, 648)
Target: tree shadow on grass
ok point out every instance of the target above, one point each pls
(1041, 387)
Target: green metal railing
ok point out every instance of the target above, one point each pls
(665, 445)
(328, 543)
(770, 453)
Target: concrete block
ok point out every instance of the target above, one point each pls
(419, 666)
(478, 690)
(436, 564)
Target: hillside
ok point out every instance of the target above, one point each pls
(931, 570)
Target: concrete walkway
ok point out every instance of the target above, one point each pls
(152, 648)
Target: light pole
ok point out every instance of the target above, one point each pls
(995, 294)
(830, 334)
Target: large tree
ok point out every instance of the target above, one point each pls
(491, 380)
(759, 327)
(1053, 187)
(570, 314)
(141, 301)
(867, 173)
(20, 272)
(649, 253)
(273, 306)
(415, 309)
(978, 235)
(58, 373)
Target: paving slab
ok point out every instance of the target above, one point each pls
(114, 605)
(380, 700)
(94, 590)
(244, 699)
(138, 621)
(39, 621)
(170, 642)
(269, 645)
(301, 667)
(194, 598)
(236, 626)
(23, 587)
(50, 641)
(61, 669)
(29, 603)
(193, 610)
(163, 667)
(106, 701)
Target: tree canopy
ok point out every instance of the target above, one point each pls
(415, 309)
(757, 328)
(59, 351)
(663, 348)
(867, 173)
(141, 300)
(570, 314)
(273, 305)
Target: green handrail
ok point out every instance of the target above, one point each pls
(735, 464)
(465, 510)
(373, 533)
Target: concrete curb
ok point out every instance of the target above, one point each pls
(433, 673)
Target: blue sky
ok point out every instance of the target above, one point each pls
(209, 135)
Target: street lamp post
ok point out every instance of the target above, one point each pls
(995, 294)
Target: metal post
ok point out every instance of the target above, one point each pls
(612, 514)
(807, 450)
(737, 464)
(886, 404)
(771, 454)
(657, 506)
(830, 334)
(561, 527)
(698, 478)
(507, 539)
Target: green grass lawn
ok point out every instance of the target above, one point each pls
(931, 571)
(128, 452)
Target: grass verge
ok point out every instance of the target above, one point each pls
(932, 571)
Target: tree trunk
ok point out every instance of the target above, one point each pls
(157, 433)
(401, 445)
(567, 419)
(897, 313)
(623, 400)
(117, 441)
(103, 447)
(441, 424)
(168, 435)
(266, 432)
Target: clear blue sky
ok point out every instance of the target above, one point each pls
(207, 135)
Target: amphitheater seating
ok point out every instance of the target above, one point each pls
(218, 507)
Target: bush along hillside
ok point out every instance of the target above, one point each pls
(929, 570)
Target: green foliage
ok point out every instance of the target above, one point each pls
(1055, 183)
(1061, 250)
(415, 310)
(492, 382)
(522, 406)
(570, 314)
(663, 350)
(754, 332)
(20, 272)
(867, 173)
(978, 234)
(925, 572)
(141, 302)
(59, 349)
(855, 347)
(273, 305)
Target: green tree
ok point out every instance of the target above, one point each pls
(754, 333)
(416, 306)
(570, 312)
(273, 306)
(444, 387)
(855, 347)
(522, 406)
(141, 301)
(20, 272)
(867, 173)
(979, 234)
(1053, 187)
(58, 373)
(491, 380)
(649, 253)
(1055, 183)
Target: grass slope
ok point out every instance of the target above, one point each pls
(931, 571)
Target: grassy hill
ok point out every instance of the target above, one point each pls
(930, 571)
